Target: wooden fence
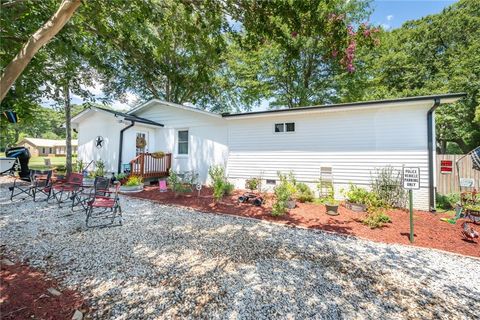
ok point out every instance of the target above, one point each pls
(448, 182)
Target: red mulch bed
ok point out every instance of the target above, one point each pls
(24, 295)
(430, 232)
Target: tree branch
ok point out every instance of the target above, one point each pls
(41, 37)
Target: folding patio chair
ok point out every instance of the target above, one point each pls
(104, 207)
(67, 190)
(40, 183)
(100, 187)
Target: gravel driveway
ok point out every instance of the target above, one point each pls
(170, 262)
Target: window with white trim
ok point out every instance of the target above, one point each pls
(284, 127)
(182, 142)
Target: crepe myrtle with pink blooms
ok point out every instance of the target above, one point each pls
(365, 35)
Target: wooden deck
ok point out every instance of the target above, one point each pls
(147, 166)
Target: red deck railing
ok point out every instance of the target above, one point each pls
(146, 166)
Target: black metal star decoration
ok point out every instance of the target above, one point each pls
(99, 142)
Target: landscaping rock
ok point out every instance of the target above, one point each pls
(77, 315)
(7, 262)
(54, 292)
(171, 262)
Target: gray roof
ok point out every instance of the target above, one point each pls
(351, 104)
(130, 117)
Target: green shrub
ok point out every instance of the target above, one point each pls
(78, 166)
(221, 186)
(134, 181)
(357, 195)
(448, 201)
(283, 192)
(252, 183)
(121, 176)
(173, 181)
(99, 168)
(388, 188)
(304, 193)
(376, 219)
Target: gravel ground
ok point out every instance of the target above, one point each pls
(170, 262)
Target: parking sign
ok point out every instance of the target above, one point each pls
(411, 178)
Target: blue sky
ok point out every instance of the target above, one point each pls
(390, 14)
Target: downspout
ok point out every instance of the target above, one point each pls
(121, 145)
(431, 150)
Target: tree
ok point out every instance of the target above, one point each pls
(296, 49)
(172, 53)
(13, 70)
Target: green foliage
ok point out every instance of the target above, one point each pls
(447, 201)
(79, 164)
(134, 181)
(121, 176)
(99, 168)
(357, 194)
(472, 207)
(221, 186)
(376, 219)
(173, 181)
(290, 53)
(253, 183)
(284, 191)
(304, 193)
(360, 195)
(388, 188)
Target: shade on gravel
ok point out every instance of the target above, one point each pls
(169, 262)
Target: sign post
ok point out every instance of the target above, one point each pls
(411, 181)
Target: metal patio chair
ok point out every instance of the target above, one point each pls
(100, 187)
(67, 190)
(40, 183)
(104, 207)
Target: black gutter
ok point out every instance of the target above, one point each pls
(431, 146)
(121, 145)
(344, 105)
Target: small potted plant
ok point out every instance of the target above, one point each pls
(133, 184)
(122, 178)
(356, 198)
(332, 206)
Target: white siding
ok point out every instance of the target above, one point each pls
(353, 142)
(99, 124)
(208, 137)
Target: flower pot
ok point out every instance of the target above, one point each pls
(332, 209)
(291, 204)
(357, 207)
(131, 188)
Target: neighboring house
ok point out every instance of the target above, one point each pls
(47, 147)
(351, 140)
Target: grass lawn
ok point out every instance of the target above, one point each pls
(39, 162)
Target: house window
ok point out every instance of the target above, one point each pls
(182, 142)
(50, 151)
(285, 127)
(43, 150)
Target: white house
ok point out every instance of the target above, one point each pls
(351, 139)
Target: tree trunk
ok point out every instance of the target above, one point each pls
(68, 128)
(15, 68)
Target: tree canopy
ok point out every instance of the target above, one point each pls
(226, 55)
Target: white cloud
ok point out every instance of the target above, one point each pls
(386, 26)
(390, 17)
